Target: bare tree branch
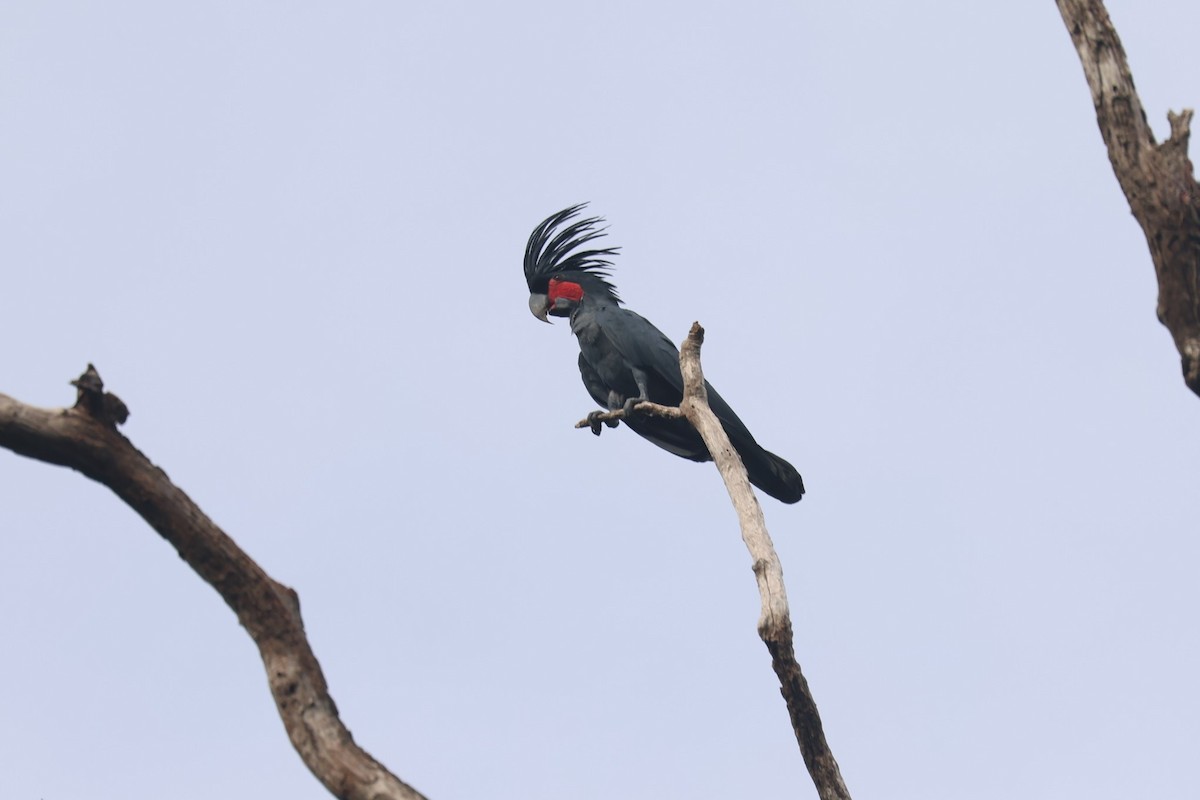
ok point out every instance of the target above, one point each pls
(644, 407)
(774, 622)
(1158, 180)
(85, 439)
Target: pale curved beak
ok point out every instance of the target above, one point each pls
(539, 306)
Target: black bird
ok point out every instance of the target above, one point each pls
(622, 357)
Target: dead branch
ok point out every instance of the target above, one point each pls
(774, 622)
(85, 439)
(1158, 180)
(644, 407)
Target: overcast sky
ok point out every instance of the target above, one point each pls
(289, 236)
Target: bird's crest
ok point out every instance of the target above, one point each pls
(552, 251)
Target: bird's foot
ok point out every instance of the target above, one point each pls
(627, 409)
(594, 420)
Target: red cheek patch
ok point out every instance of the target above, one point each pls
(565, 290)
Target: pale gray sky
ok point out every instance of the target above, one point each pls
(290, 236)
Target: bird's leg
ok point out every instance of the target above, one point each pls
(594, 418)
(615, 403)
(643, 392)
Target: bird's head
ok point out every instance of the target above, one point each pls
(558, 273)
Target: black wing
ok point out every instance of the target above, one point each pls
(645, 347)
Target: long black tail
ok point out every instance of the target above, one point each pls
(772, 474)
(767, 471)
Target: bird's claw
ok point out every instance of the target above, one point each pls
(594, 420)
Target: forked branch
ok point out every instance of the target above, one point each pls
(85, 438)
(774, 622)
(644, 407)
